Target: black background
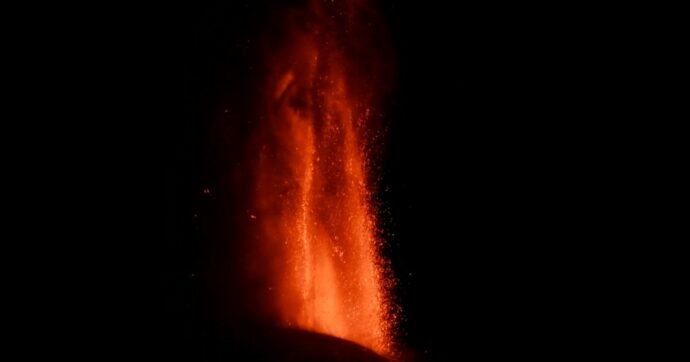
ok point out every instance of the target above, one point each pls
(524, 184)
(484, 203)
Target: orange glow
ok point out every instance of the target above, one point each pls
(312, 200)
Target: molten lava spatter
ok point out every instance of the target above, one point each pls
(312, 200)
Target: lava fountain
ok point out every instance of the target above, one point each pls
(311, 205)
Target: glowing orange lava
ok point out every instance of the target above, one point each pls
(312, 200)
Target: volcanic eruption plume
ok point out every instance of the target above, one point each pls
(316, 243)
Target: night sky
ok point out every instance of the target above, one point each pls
(475, 174)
